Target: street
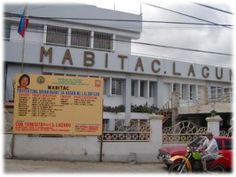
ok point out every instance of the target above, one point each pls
(39, 166)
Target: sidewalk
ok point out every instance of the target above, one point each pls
(37, 166)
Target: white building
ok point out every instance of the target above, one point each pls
(71, 40)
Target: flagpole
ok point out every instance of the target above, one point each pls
(23, 55)
(23, 45)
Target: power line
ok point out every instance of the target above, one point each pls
(183, 48)
(124, 20)
(186, 15)
(156, 45)
(210, 7)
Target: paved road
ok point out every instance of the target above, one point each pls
(37, 166)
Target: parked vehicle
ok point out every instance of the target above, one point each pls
(191, 162)
(224, 144)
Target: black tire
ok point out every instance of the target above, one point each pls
(217, 168)
(168, 166)
(176, 167)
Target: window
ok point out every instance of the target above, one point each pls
(105, 124)
(176, 88)
(134, 88)
(219, 143)
(56, 35)
(117, 86)
(184, 91)
(102, 41)
(106, 86)
(152, 88)
(143, 85)
(7, 31)
(228, 93)
(119, 124)
(228, 144)
(59, 74)
(213, 92)
(47, 73)
(219, 92)
(80, 38)
(36, 28)
(73, 75)
(192, 92)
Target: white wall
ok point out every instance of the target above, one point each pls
(123, 47)
(83, 148)
(113, 100)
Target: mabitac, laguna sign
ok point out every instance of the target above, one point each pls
(47, 104)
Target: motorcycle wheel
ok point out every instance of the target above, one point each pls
(217, 168)
(176, 168)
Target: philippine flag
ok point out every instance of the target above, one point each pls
(24, 21)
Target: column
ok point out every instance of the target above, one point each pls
(213, 124)
(92, 39)
(147, 91)
(45, 34)
(156, 129)
(127, 97)
(138, 88)
(69, 37)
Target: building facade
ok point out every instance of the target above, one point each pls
(88, 41)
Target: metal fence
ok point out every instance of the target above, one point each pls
(227, 133)
(182, 133)
(136, 130)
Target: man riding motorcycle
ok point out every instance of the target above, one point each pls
(196, 157)
(209, 149)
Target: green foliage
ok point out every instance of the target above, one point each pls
(134, 108)
(144, 108)
(115, 109)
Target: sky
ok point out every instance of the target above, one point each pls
(207, 38)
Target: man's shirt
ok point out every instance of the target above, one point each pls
(211, 147)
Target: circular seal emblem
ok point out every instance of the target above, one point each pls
(40, 79)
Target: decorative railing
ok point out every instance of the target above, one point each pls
(137, 130)
(182, 132)
(227, 133)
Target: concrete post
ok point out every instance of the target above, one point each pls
(156, 129)
(127, 97)
(213, 124)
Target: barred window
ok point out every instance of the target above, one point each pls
(213, 92)
(176, 88)
(219, 92)
(117, 86)
(7, 31)
(102, 40)
(185, 92)
(56, 35)
(192, 92)
(106, 83)
(134, 88)
(143, 88)
(80, 38)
